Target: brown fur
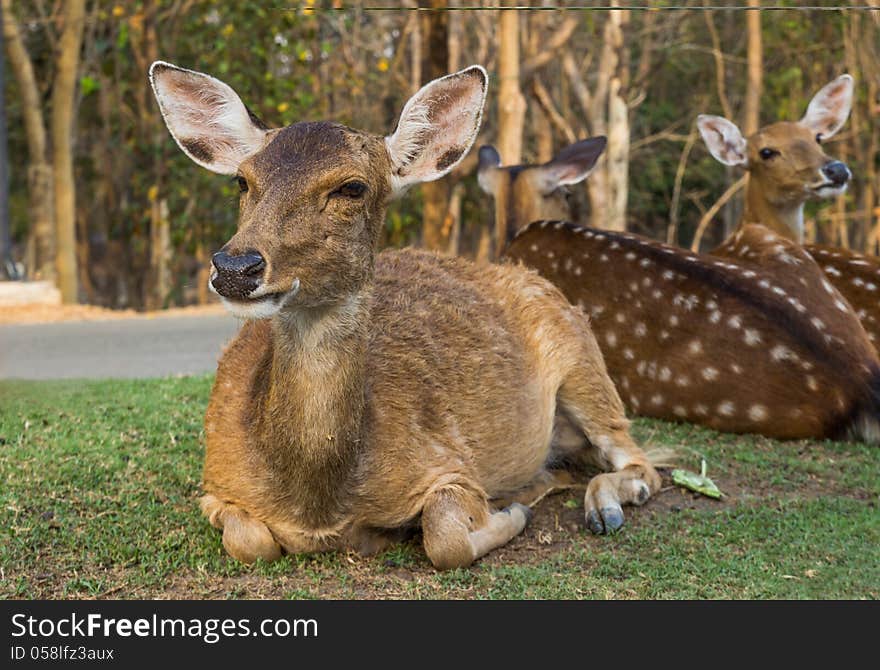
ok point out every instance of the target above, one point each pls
(399, 389)
(734, 344)
(686, 337)
(775, 195)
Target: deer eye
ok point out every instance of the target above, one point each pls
(242, 184)
(351, 189)
(767, 153)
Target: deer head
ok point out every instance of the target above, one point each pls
(313, 194)
(525, 193)
(785, 160)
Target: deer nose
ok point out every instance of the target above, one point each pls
(237, 275)
(837, 172)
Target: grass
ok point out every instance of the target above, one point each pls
(101, 481)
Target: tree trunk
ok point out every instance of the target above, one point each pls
(39, 172)
(6, 266)
(435, 63)
(63, 113)
(616, 168)
(755, 66)
(511, 103)
(617, 164)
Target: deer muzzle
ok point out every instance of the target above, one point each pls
(237, 276)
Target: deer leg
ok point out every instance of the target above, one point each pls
(590, 400)
(544, 484)
(459, 528)
(244, 537)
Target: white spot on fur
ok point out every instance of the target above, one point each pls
(757, 413)
(695, 347)
(673, 320)
(641, 329)
(831, 270)
(752, 337)
(710, 374)
(682, 381)
(665, 374)
(781, 353)
(611, 339)
(726, 408)
(715, 317)
(678, 410)
(735, 322)
(812, 384)
(656, 399)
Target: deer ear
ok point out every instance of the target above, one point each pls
(437, 127)
(724, 140)
(487, 168)
(573, 164)
(206, 118)
(829, 108)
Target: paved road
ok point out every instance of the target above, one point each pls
(114, 348)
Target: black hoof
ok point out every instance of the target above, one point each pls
(594, 523)
(613, 517)
(527, 511)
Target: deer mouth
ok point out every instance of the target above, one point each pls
(262, 303)
(829, 189)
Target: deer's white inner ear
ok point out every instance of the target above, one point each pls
(206, 118)
(437, 127)
(723, 139)
(829, 108)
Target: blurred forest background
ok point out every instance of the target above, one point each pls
(103, 203)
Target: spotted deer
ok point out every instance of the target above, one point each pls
(787, 166)
(760, 342)
(368, 393)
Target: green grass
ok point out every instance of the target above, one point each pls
(100, 483)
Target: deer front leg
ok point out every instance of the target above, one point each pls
(459, 528)
(633, 483)
(589, 399)
(244, 537)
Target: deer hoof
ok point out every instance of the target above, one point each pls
(606, 520)
(525, 511)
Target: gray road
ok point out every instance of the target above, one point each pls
(117, 348)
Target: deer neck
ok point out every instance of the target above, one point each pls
(787, 221)
(311, 419)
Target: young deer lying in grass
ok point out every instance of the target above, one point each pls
(787, 166)
(759, 342)
(370, 393)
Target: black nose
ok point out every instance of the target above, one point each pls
(836, 172)
(237, 275)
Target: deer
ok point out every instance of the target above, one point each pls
(754, 342)
(787, 166)
(371, 394)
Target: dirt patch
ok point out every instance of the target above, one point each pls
(58, 313)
